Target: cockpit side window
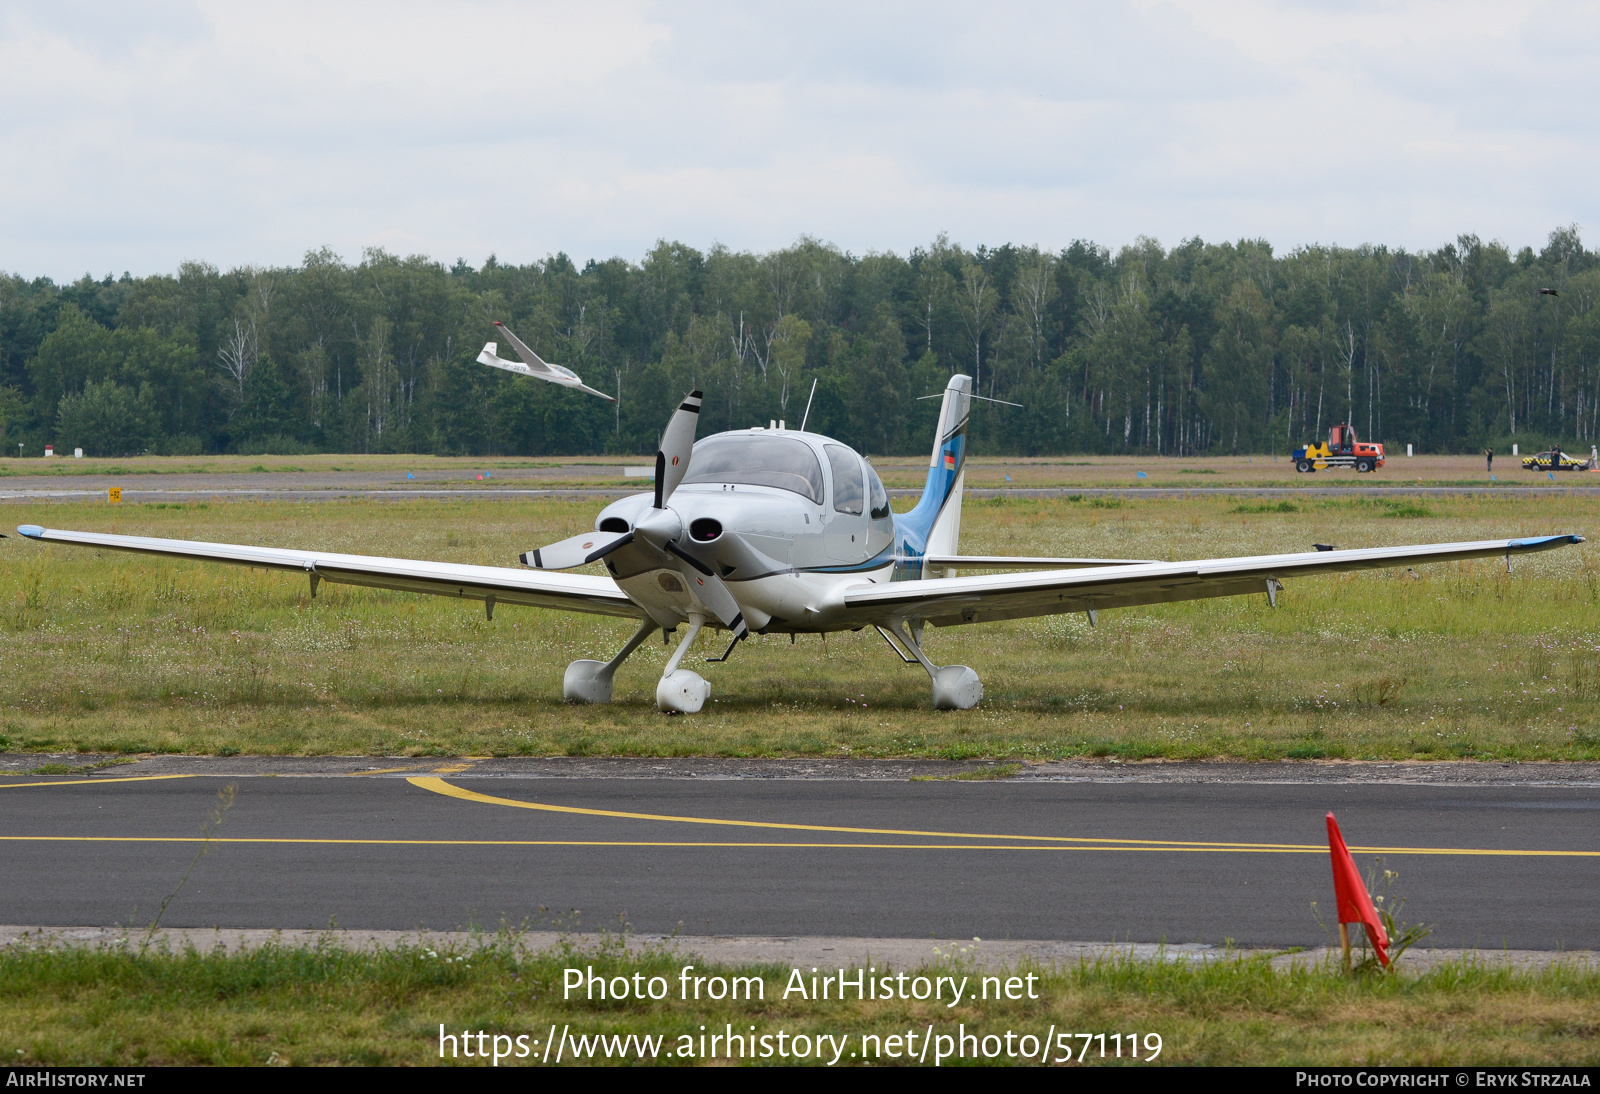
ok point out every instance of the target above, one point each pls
(877, 496)
(783, 462)
(847, 487)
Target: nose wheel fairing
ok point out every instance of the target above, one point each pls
(680, 690)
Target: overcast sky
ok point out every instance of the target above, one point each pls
(135, 136)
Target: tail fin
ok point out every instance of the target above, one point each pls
(937, 518)
(490, 355)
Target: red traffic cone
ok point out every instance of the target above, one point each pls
(1350, 892)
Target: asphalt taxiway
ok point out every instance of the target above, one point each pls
(1183, 853)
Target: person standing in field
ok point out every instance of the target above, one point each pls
(1488, 454)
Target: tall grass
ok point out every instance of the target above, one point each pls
(118, 653)
(324, 1004)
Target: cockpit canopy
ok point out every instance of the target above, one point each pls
(756, 460)
(759, 458)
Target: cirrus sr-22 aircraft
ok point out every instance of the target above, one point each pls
(781, 531)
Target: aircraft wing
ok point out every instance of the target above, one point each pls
(1018, 562)
(506, 585)
(522, 348)
(949, 601)
(585, 387)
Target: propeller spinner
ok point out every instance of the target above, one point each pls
(660, 531)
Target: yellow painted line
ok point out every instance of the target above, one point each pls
(1214, 848)
(439, 786)
(450, 769)
(600, 843)
(97, 782)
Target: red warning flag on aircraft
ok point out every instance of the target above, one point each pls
(1355, 905)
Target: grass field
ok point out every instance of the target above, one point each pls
(117, 653)
(898, 472)
(325, 1005)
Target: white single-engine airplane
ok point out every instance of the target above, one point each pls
(783, 531)
(532, 364)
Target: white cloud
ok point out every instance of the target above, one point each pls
(135, 137)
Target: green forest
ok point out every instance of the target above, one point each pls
(1204, 348)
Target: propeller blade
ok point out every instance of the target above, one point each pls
(672, 459)
(712, 591)
(589, 547)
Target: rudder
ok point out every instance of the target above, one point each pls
(936, 520)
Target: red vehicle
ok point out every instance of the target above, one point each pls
(1344, 449)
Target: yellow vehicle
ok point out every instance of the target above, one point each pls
(1553, 460)
(1343, 449)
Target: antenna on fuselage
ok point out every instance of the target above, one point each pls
(813, 395)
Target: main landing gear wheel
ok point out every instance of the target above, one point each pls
(955, 687)
(590, 681)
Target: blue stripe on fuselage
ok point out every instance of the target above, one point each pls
(877, 561)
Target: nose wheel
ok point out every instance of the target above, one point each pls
(680, 690)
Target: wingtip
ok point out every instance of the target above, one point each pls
(1546, 541)
(32, 531)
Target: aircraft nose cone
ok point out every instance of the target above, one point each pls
(659, 527)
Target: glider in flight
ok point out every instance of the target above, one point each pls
(781, 531)
(532, 364)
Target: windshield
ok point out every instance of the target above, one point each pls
(783, 462)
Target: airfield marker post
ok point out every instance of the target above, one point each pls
(1353, 901)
